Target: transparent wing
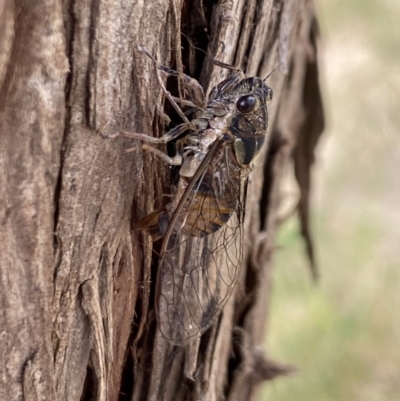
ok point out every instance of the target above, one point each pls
(202, 251)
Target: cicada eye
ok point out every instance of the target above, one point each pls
(246, 104)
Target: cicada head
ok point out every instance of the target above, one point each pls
(247, 101)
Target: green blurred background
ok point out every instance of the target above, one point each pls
(344, 334)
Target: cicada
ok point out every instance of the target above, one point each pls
(202, 226)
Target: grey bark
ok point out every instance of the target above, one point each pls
(76, 280)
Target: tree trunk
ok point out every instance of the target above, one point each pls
(77, 284)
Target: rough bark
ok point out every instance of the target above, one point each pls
(77, 317)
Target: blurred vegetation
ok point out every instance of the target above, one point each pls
(344, 333)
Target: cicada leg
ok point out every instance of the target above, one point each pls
(196, 91)
(169, 136)
(185, 102)
(172, 134)
(172, 161)
(175, 132)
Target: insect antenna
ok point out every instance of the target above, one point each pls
(272, 72)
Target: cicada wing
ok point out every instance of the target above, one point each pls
(202, 254)
(196, 277)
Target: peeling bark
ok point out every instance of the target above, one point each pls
(77, 315)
